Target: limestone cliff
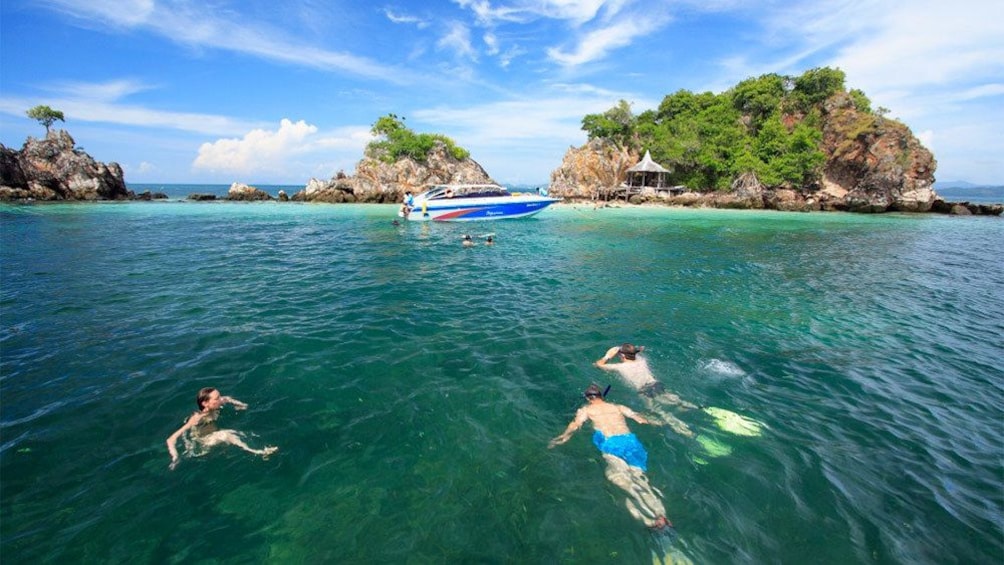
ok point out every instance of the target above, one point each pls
(377, 181)
(54, 169)
(591, 171)
(872, 164)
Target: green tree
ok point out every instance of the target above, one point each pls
(759, 98)
(395, 141)
(616, 124)
(45, 116)
(816, 85)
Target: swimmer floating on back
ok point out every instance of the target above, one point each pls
(203, 426)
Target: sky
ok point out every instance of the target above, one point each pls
(279, 92)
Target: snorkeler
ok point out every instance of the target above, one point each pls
(468, 242)
(203, 426)
(626, 457)
(635, 371)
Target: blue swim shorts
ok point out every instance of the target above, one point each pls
(625, 446)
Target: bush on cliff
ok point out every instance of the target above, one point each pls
(395, 141)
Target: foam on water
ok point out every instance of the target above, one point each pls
(723, 368)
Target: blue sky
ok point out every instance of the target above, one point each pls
(277, 92)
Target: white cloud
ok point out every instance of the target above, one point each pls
(488, 16)
(458, 40)
(295, 149)
(107, 91)
(491, 42)
(259, 150)
(88, 110)
(122, 13)
(397, 18)
(553, 118)
(576, 12)
(982, 91)
(199, 25)
(597, 43)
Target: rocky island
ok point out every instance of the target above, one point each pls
(54, 169)
(784, 143)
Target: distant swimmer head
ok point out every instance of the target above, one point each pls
(467, 237)
(593, 391)
(630, 351)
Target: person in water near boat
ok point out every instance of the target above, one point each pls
(634, 369)
(489, 241)
(409, 203)
(202, 429)
(625, 456)
(468, 242)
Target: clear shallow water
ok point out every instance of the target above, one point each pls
(412, 385)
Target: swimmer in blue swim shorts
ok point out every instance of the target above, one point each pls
(626, 458)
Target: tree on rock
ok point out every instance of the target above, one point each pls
(45, 116)
(395, 141)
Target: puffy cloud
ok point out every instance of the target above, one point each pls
(258, 151)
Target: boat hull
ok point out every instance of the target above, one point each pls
(479, 209)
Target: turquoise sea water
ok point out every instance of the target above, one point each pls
(412, 385)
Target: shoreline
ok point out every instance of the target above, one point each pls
(940, 207)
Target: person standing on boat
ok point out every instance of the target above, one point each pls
(625, 456)
(409, 203)
(634, 369)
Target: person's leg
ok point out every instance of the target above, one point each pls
(666, 418)
(672, 399)
(231, 437)
(642, 502)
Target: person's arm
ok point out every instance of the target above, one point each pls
(580, 418)
(173, 439)
(629, 413)
(610, 354)
(237, 403)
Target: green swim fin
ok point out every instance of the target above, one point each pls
(734, 423)
(713, 447)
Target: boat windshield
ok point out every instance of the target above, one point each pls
(465, 191)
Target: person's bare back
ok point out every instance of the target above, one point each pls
(608, 418)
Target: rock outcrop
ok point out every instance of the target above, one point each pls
(54, 169)
(377, 181)
(592, 171)
(242, 192)
(872, 165)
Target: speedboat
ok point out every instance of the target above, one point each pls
(468, 202)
